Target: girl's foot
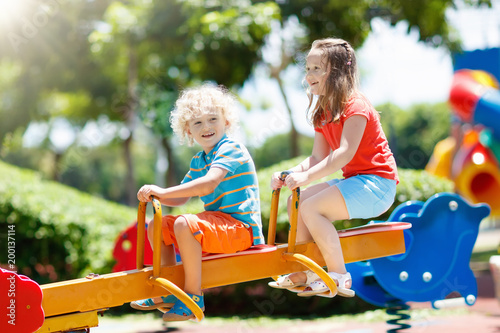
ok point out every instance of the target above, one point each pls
(319, 287)
(294, 280)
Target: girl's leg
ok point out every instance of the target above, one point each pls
(190, 250)
(303, 234)
(318, 212)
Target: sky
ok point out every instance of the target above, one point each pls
(394, 68)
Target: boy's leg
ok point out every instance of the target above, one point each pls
(167, 251)
(190, 250)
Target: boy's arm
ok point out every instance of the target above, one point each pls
(180, 194)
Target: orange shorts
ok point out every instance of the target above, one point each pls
(217, 232)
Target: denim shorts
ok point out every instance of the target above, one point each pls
(366, 196)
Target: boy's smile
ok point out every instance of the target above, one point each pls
(207, 129)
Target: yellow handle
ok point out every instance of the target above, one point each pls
(313, 266)
(180, 294)
(141, 228)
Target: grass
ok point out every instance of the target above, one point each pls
(483, 256)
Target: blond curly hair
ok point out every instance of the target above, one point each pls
(197, 101)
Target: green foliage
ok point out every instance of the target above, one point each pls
(351, 20)
(267, 154)
(413, 133)
(60, 233)
(224, 37)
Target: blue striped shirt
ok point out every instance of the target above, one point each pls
(238, 193)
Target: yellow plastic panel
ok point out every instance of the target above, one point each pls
(74, 321)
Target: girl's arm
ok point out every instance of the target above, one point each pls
(180, 194)
(319, 152)
(354, 127)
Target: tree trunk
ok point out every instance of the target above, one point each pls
(131, 187)
(130, 119)
(56, 175)
(171, 174)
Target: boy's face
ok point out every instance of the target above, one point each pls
(207, 129)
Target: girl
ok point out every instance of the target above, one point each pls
(348, 136)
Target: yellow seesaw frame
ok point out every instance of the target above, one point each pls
(75, 304)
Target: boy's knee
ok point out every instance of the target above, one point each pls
(180, 224)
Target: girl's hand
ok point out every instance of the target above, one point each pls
(145, 192)
(276, 182)
(297, 179)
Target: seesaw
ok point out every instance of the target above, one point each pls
(75, 304)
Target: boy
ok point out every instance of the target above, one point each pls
(223, 175)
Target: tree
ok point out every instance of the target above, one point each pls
(350, 20)
(43, 49)
(413, 133)
(154, 47)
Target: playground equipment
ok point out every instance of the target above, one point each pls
(435, 265)
(75, 304)
(125, 250)
(473, 161)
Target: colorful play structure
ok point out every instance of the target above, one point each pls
(435, 267)
(470, 156)
(74, 305)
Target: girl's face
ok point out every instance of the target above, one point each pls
(316, 72)
(207, 129)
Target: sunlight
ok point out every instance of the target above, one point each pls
(11, 7)
(10, 10)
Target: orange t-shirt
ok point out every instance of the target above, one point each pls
(373, 155)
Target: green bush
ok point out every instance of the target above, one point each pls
(60, 233)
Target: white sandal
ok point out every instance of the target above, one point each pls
(321, 289)
(284, 281)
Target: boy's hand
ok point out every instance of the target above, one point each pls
(144, 194)
(276, 182)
